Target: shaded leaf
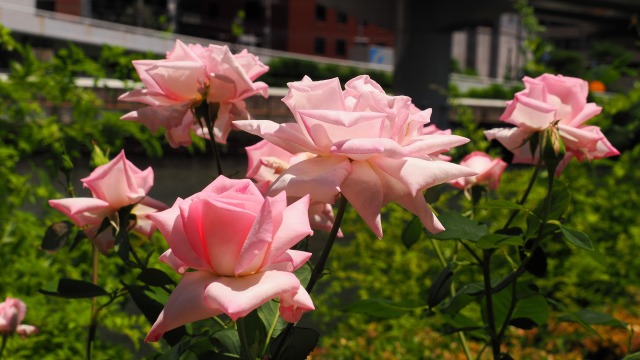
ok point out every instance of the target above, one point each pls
(269, 314)
(591, 317)
(303, 274)
(459, 227)
(465, 296)
(381, 308)
(501, 204)
(537, 266)
(56, 235)
(74, 289)
(577, 238)
(298, 344)
(494, 241)
(151, 309)
(155, 277)
(412, 232)
(533, 309)
(228, 340)
(441, 286)
(634, 356)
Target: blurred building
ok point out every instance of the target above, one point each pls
(299, 26)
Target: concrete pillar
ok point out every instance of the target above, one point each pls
(423, 58)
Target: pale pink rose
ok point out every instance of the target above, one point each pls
(113, 186)
(369, 146)
(238, 242)
(546, 100)
(489, 171)
(12, 312)
(188, 76)
(431, 129)
(267, 162)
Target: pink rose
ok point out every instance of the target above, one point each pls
(489, 171)
(546, 100)
(113, 186)
(189, 75)
(12, 312)
(369, 147)
(238, 242)
(267, 162)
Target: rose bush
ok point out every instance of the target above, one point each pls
(239, 244)
(114, 186)
(369, 146)
(188, 76)
(558, 103)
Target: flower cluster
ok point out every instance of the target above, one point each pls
(232, 242)
(192, 74)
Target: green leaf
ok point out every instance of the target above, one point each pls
(155, 277)
(255, 333)
(412, 232)
(530, 309)
(577, 238)
(381, 308)
(56, 236)
(634, 356)
(441, 286)
(494, 241)
(151, 309)
(591, 317)
(269, 314)
(299, 343)
(538, 264)
(228, 340)
(303, 274)
(74, 289)
(459, 227)
(465, 296)
(501, 204)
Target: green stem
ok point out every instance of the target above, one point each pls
(322, 261)
(318, 269)
(4, 343)
(524, 197)
(521, 269)
(212, 114)
(461, 336)
(244, 342)
(220, 322)
(94, 309)
(270, 333)
(491, 322)
(512, 307)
